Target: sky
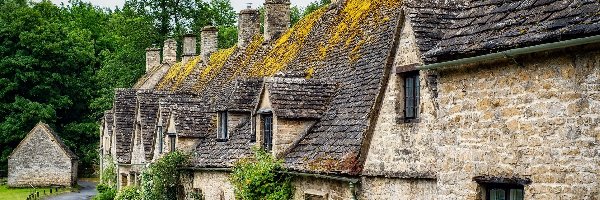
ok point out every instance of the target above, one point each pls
(237, 4)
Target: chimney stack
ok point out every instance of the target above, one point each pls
(170, 51)
(152, 58)
(209, 42)
(189, 47)
(277, 18)
(248, 26)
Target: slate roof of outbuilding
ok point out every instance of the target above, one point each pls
(472, 28)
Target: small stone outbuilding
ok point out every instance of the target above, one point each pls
(42, 159)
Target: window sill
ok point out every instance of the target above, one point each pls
(402, 120)
(222, 140)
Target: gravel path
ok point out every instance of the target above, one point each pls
(88, 190)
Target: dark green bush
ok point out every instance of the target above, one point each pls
(105, 192)
(261, 178)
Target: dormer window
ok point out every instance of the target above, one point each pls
(222, 127)
(172, 142)
(267, 131)
(411, 95)
(159, 129)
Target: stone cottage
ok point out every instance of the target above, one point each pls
(42, 159)
(367, 99)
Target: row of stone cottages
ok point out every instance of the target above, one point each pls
(422, 99)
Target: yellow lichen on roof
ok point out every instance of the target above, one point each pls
(170, 76)
(185, 72)
(246, 56)
(286, 48)
(177, 74)
(351, 21)
(214, 66)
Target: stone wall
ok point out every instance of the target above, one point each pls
(40, 161)
(398, 188)
(398, 148)
(535, 117)
(317, 188)
(214, 185)
(287, 132)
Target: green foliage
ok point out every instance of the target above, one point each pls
(105, 192)
(108, 176)
(129, 193)
(260, 178)
(315, 6)
(60, 65)
(160, 180)
(49, 55)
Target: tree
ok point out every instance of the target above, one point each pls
(49, 55)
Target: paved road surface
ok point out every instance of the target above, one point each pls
(88, 190)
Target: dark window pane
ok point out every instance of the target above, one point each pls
(516, 194)
(497, 194)
(268, 132)
(411, 95)
(172, 141)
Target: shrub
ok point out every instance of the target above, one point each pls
(160, 180)
(261, 178)
(108, 175)
(105, 192)
(129, 193)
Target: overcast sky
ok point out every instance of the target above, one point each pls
(237, 4)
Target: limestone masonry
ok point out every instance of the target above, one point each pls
(42, 159)
(368, 99)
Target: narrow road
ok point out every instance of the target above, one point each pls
(88, 190)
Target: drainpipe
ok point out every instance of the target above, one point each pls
(515, 52)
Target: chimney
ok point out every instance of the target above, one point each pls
(277, 18)
(152, 58)
(170, 51)
(248, 25)
(189, 47)
(209, 42)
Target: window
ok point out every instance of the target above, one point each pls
(267, 131)
(253, 125)
(504, 192)
(172, 142)
(124, 180)
(308, 196)
(222, 132)
(411, 95)
(160, 138)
